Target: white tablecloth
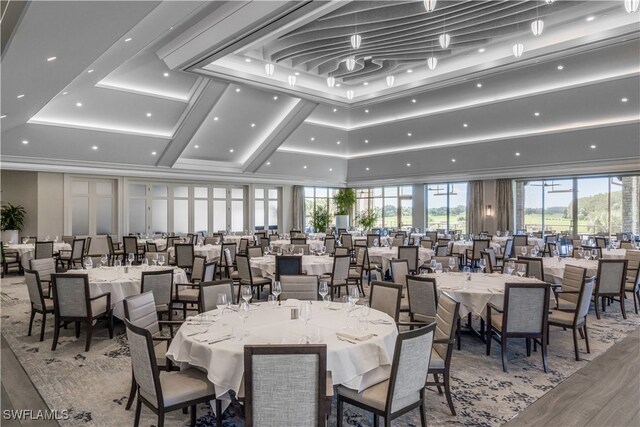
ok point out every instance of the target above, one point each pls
(476, 293)
(236, 239)
(357, 366)
(161, 244)
(123, 285)
(554, 269)
(460, 246)
(211, 252)
(614, 253)
(27, 251)
(313, 265)
(315, 245)
(382, 256)
(381, 240)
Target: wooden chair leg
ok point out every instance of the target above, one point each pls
(339, 414)
(132, 392)
(543, 346)
(528, 345)
(136, 422)
(56, 334)
(435, 376)
(33, 315)
(503, 353)
(87, 346)
(193, 415)
(622, 308)
(586, 337)
(44, 322)
(575, 344)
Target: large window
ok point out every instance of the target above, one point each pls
(93, 207)
(315, 197)
(579, 206)
(446, 206)
(394, 205)
(266, 208)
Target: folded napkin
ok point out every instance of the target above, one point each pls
(355, 336)
(381, 322)
(212, 338)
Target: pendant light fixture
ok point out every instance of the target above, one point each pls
(350, 62)
(391, 80)
(356, 41)
(444, 38)
(269, 69)
(292, 80)
(331, 81)
(350, 94)
(518, 50)
(430, 5)
(537, 26)
(631, 5)
(432, 62)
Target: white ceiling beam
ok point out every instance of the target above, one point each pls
(189, 126)
(285, 128)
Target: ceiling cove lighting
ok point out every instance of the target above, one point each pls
(432, 63)
(430, 5)
(350, 62)
(390, 80)
(590, 18)
(356, 41)
(3, 116)
(445, 40)
(631, 5)
(292, 80)
(331, 81)
(350, 94)
(269, 69)
(518, 50)
(537, 27)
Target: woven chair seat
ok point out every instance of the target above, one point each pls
(178, 387)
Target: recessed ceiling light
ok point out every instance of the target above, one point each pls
(78, 104)
(366, 111)
(215, 119)
(453, 160)
(338, 142)
(408, 164)
(275, 98)
(593, 147)
(64, 93)
(479, 85)
(128, 39)
(624, 99)
(247, 59)
(95, 147)
(268, 163)
(313, 138)
(408, 133)
(366, 141)
(3, 116)
(196, 146)
(367, 168)
(466, 125)
(25, 142)
(304, 167)
(560, 67)
(149, 114)
(590, 18)
(537, 114)
(153, 153)
(296, 73)
(237, 89)
(231, 150)
(517, 153)
(20, 96)
(170, 28)
(253, 125)
(335, 109)
(365, 84)
(409, 71)
(165, 74)
(90, 71)
(53, 58)
(414, 101)
(338, 85)
(481, 50)
(330, 169)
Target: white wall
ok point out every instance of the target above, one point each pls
(21, 188)
(50, 204)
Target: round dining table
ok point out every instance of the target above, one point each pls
(313, 265)
(122, 284)
(27, 250)
(382, 255)
(236, 238)
(285, 244)
(160, 243)
(614, 253)
(554, 267)
(460, 246)
(210, 252)
(357, 357)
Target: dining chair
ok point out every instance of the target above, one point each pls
(69, 239)
(426, 243)
(45, 268)
(572, 281)
(371, 238)
(610, 283)
(442, 250)
(347, 241)
(386, 297)
(330, 244)
(10, 259)
(523, 315)
(243, 246)
(73, 256)
(339, 275)
(246, 277)
(130, 244)
(210, 271)
(301, 287)
(114, 249)
(576, 317)
(535, 267)
(446, 331)
(254, 252)
(197, 269)
(520, 240)
(410, 253)
(164, 392)
(296, 249)
(160, 284)
(39, 304)
(171, 241)
(72, 302)
(289, 265)
(151, 247)
(184, 255)
(404, 390)
(286, 385)
(601, 242)
(422, 294)
(140, 310)
(212, 240)
(507, 253)
(474, 255)
(210, 290)
(362, 265)
(626, 245)
(87, 247)
(230, 264)
(43, 250)
(298, 240)
(224, 264)
(341, 251)
(397, 242)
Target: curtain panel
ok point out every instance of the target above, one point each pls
(475, 207)
(297, 213)
(504, 204)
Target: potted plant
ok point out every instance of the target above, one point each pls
(320, 219)
(345, 198)
(368, 218)
(11, 222)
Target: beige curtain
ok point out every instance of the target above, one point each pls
(475, 207)
(504, 204)
(297, 213)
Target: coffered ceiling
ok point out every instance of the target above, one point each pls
(180, 90)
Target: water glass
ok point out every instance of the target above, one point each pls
(326, 301)
(247, 293)
(323, 290)
(452, 263)
(521, 269)
(272, 300)
(104, 260)
(222, 303)
(277, 288)
(130, 258)
(354, 295)
(161, 260)
(88, 263)
(145, 263)
(305, 312)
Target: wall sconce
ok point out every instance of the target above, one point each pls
(489, 212)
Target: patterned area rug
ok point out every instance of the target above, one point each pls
(93, 386)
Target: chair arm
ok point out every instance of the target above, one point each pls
(171, 322)
(566, 292)
(418, 324)
(106, 294)
(444, 341)
(494, 307)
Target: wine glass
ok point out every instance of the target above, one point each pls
(243, 312)
(88, 263)
(452, 263)
(323, 290)
(483, 264)
(354, 295)
(47, 238)
(432, 264)
(305, 312)
(438, 267)
(104, 260)
(556, 253)
(594, 253)
(523, 251)
(301, 252)
(375, 243)
(55, 240)
(222, 303)
(145, 263)
(277, 289)
(510, 267)
(534, 251)
(24, 240)
(161, 260)
(521, 270)
(130, 258)
(155, 259)
(247, 293)
(497, 233)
